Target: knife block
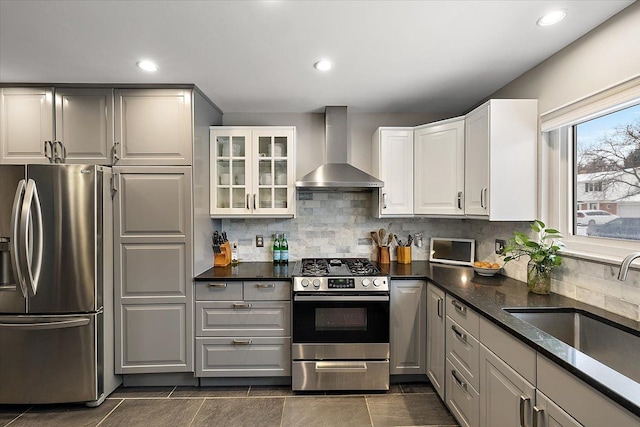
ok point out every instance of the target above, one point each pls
(224, 257)
(404, 254)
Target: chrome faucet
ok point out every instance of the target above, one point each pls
(624, 267)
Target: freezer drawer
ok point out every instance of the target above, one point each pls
(49, 359)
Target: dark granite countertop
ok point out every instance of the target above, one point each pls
(488, 296)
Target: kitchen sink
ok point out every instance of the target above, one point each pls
(607, 343)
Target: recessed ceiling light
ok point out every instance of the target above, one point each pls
(552, 17)
(147, 65)
(323, 65)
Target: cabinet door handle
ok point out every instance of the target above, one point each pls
(50, 154)
(440, 313)
(241, 305)
(461, 308)
(536, 414)
(265, 285)
(59, 156)
(114, 152)
(460, 335)
(459, 382)
(523, 401)
(459, 199)
(483, 198)
(248, 207)
(255, 196)
(218, 285)
(384, 200)
(241, 342)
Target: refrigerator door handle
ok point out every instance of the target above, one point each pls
(32, 259)
(15, 236)
(36, 326)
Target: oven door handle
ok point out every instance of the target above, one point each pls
(341, 298)
(341, 367)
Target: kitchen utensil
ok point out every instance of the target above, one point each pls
(389, 239)
(374, 236)
(381, 233)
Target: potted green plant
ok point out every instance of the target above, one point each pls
(543, 254)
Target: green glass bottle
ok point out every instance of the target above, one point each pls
(284, 250)
(276, 249)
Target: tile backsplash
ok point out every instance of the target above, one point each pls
(338, 224)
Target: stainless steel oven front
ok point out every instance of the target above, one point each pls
(340, 340)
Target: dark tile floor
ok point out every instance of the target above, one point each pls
(413, 404)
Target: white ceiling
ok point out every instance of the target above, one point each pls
(256, 56)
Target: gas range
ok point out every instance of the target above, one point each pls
(338, 274)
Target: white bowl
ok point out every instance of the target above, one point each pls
(487, 271)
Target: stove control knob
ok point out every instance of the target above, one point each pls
(366, 283)
(377, 282)
(304, 283)
(316, 283)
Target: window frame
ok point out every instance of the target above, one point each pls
(557, 180)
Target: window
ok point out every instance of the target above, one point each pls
(606, 171)
(590, 161)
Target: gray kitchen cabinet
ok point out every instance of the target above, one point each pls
(462, 377)
(548, 414)
(496, 133)
(243, 329)
(61, 125)
(153, 127)
(436, 338)
(407, 332)
(153, 229)
(26, 122)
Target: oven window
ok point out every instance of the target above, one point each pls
(341, 319)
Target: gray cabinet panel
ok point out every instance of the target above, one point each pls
(463, 315)
(551, 415)
(154, 126)
(155, 339)
(463, 350)
(154, 203)
(461, 398)
(243, 357)
(153, 270)
(243, 318)
(84, 124)
(219, 291)
(267, 290)
(26, 121)
(436, 338)
(407, 333)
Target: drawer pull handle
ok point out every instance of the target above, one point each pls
(461, 308)
(460, 335)
(218, 285)
(241, 342)
(341, 367)
(458, 381)
(265, 285)
(536, 414)
(243, 305)
(523, 401)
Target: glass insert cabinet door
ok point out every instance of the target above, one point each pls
(274, 169)
(230, 171)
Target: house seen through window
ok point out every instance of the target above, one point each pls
(607, 175)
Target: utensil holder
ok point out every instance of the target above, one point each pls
(404, 254)
(383, 255)
(224, 257)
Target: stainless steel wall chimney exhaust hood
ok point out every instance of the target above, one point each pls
(337, 174)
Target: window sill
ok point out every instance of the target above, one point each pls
(604, 251)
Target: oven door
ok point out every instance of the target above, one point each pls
(330, 318)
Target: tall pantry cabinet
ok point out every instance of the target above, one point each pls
(161, 204)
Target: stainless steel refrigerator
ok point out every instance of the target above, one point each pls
(56, 284)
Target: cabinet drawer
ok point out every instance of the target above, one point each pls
(258, 319)
(461, 398)
(265, 290)
(463, 315)
(219, 291)
(243, 357)
(463, 352)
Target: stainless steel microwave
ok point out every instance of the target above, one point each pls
(452, 251)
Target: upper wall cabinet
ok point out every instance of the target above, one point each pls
(439, 168)
(153, 127)
(392, 162)
(65, 125)
(252, 171)
(501, 160)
